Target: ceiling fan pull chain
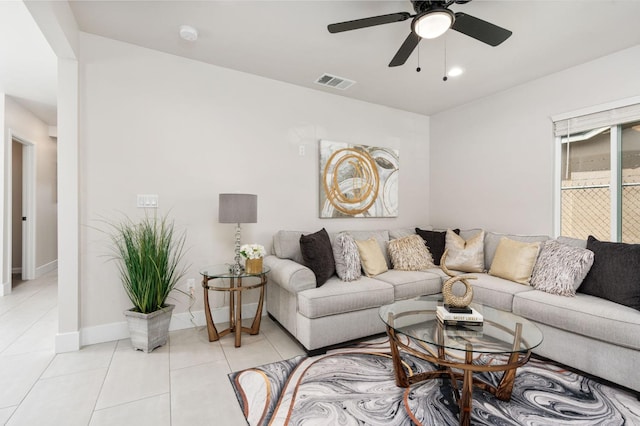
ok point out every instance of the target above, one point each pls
(445, 78)
(418, 69)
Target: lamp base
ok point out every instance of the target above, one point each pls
(236, 269)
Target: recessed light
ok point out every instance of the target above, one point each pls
(455, 71)
(187, 32)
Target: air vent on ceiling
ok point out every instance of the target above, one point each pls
(334, 81)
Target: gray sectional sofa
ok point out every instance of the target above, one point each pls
(589, 333)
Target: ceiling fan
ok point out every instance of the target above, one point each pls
(431, 20)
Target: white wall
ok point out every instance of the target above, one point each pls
(27, 126)
(492, 160)
(153, 123)
(5, 275)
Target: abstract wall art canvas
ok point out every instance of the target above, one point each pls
(358, 180)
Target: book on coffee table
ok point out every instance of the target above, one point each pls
(458, 310)
(463, 331)
(449, 318)
(454, 323)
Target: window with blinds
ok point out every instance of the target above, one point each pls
(598, 173)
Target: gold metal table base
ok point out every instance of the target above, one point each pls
(465, 395)
(235, 290)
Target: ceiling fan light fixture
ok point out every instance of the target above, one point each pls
(433, 23)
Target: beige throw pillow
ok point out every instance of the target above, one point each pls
(465, 256)
(514, 260)
(371, 256)
(410, 254)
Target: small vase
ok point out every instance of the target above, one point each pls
(253, 266)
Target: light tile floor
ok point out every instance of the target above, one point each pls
(182, 383)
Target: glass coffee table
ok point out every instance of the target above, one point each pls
(413, 328)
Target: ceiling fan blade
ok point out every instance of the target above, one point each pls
(405, 50)
(481, 30)
(368, 22)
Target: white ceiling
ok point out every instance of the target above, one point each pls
(28, 66)
(289, 41)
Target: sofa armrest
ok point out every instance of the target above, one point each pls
(290, 275)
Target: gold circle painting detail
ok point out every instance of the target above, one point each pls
(351, 181)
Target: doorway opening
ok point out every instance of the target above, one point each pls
(19, 247)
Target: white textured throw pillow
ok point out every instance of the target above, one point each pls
(561, 268)
(465, 256)
(410, 254)
(347, 257)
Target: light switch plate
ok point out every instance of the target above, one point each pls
(148, 201)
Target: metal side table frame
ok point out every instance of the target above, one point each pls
(235, 289)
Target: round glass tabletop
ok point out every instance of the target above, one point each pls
(416, 319)
(225, 271)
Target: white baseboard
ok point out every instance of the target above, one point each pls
(17, 270)
(46, 268)
(5, 289)
(119, 330)
(67, 342)
(104, 333)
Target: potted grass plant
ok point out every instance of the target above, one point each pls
(148, 254)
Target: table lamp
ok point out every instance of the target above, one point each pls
(237, 208)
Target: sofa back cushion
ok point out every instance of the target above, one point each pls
(286, 245)
(396, 233)
(573, 242)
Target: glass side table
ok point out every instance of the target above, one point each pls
(231, 283)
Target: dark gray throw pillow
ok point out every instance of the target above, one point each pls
(436, 242)
(615, 274)
(318, 255)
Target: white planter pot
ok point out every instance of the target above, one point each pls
(148, 331)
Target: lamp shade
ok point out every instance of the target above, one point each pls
(238, 208)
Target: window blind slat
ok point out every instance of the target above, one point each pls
(606, 118)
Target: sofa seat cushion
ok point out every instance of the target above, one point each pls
(495, 291)
(583, 314)
(407, 284)
(336, 297)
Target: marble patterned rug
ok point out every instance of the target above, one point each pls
(355, 386)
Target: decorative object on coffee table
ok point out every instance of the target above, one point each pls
(237, 208)
(450, 298)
